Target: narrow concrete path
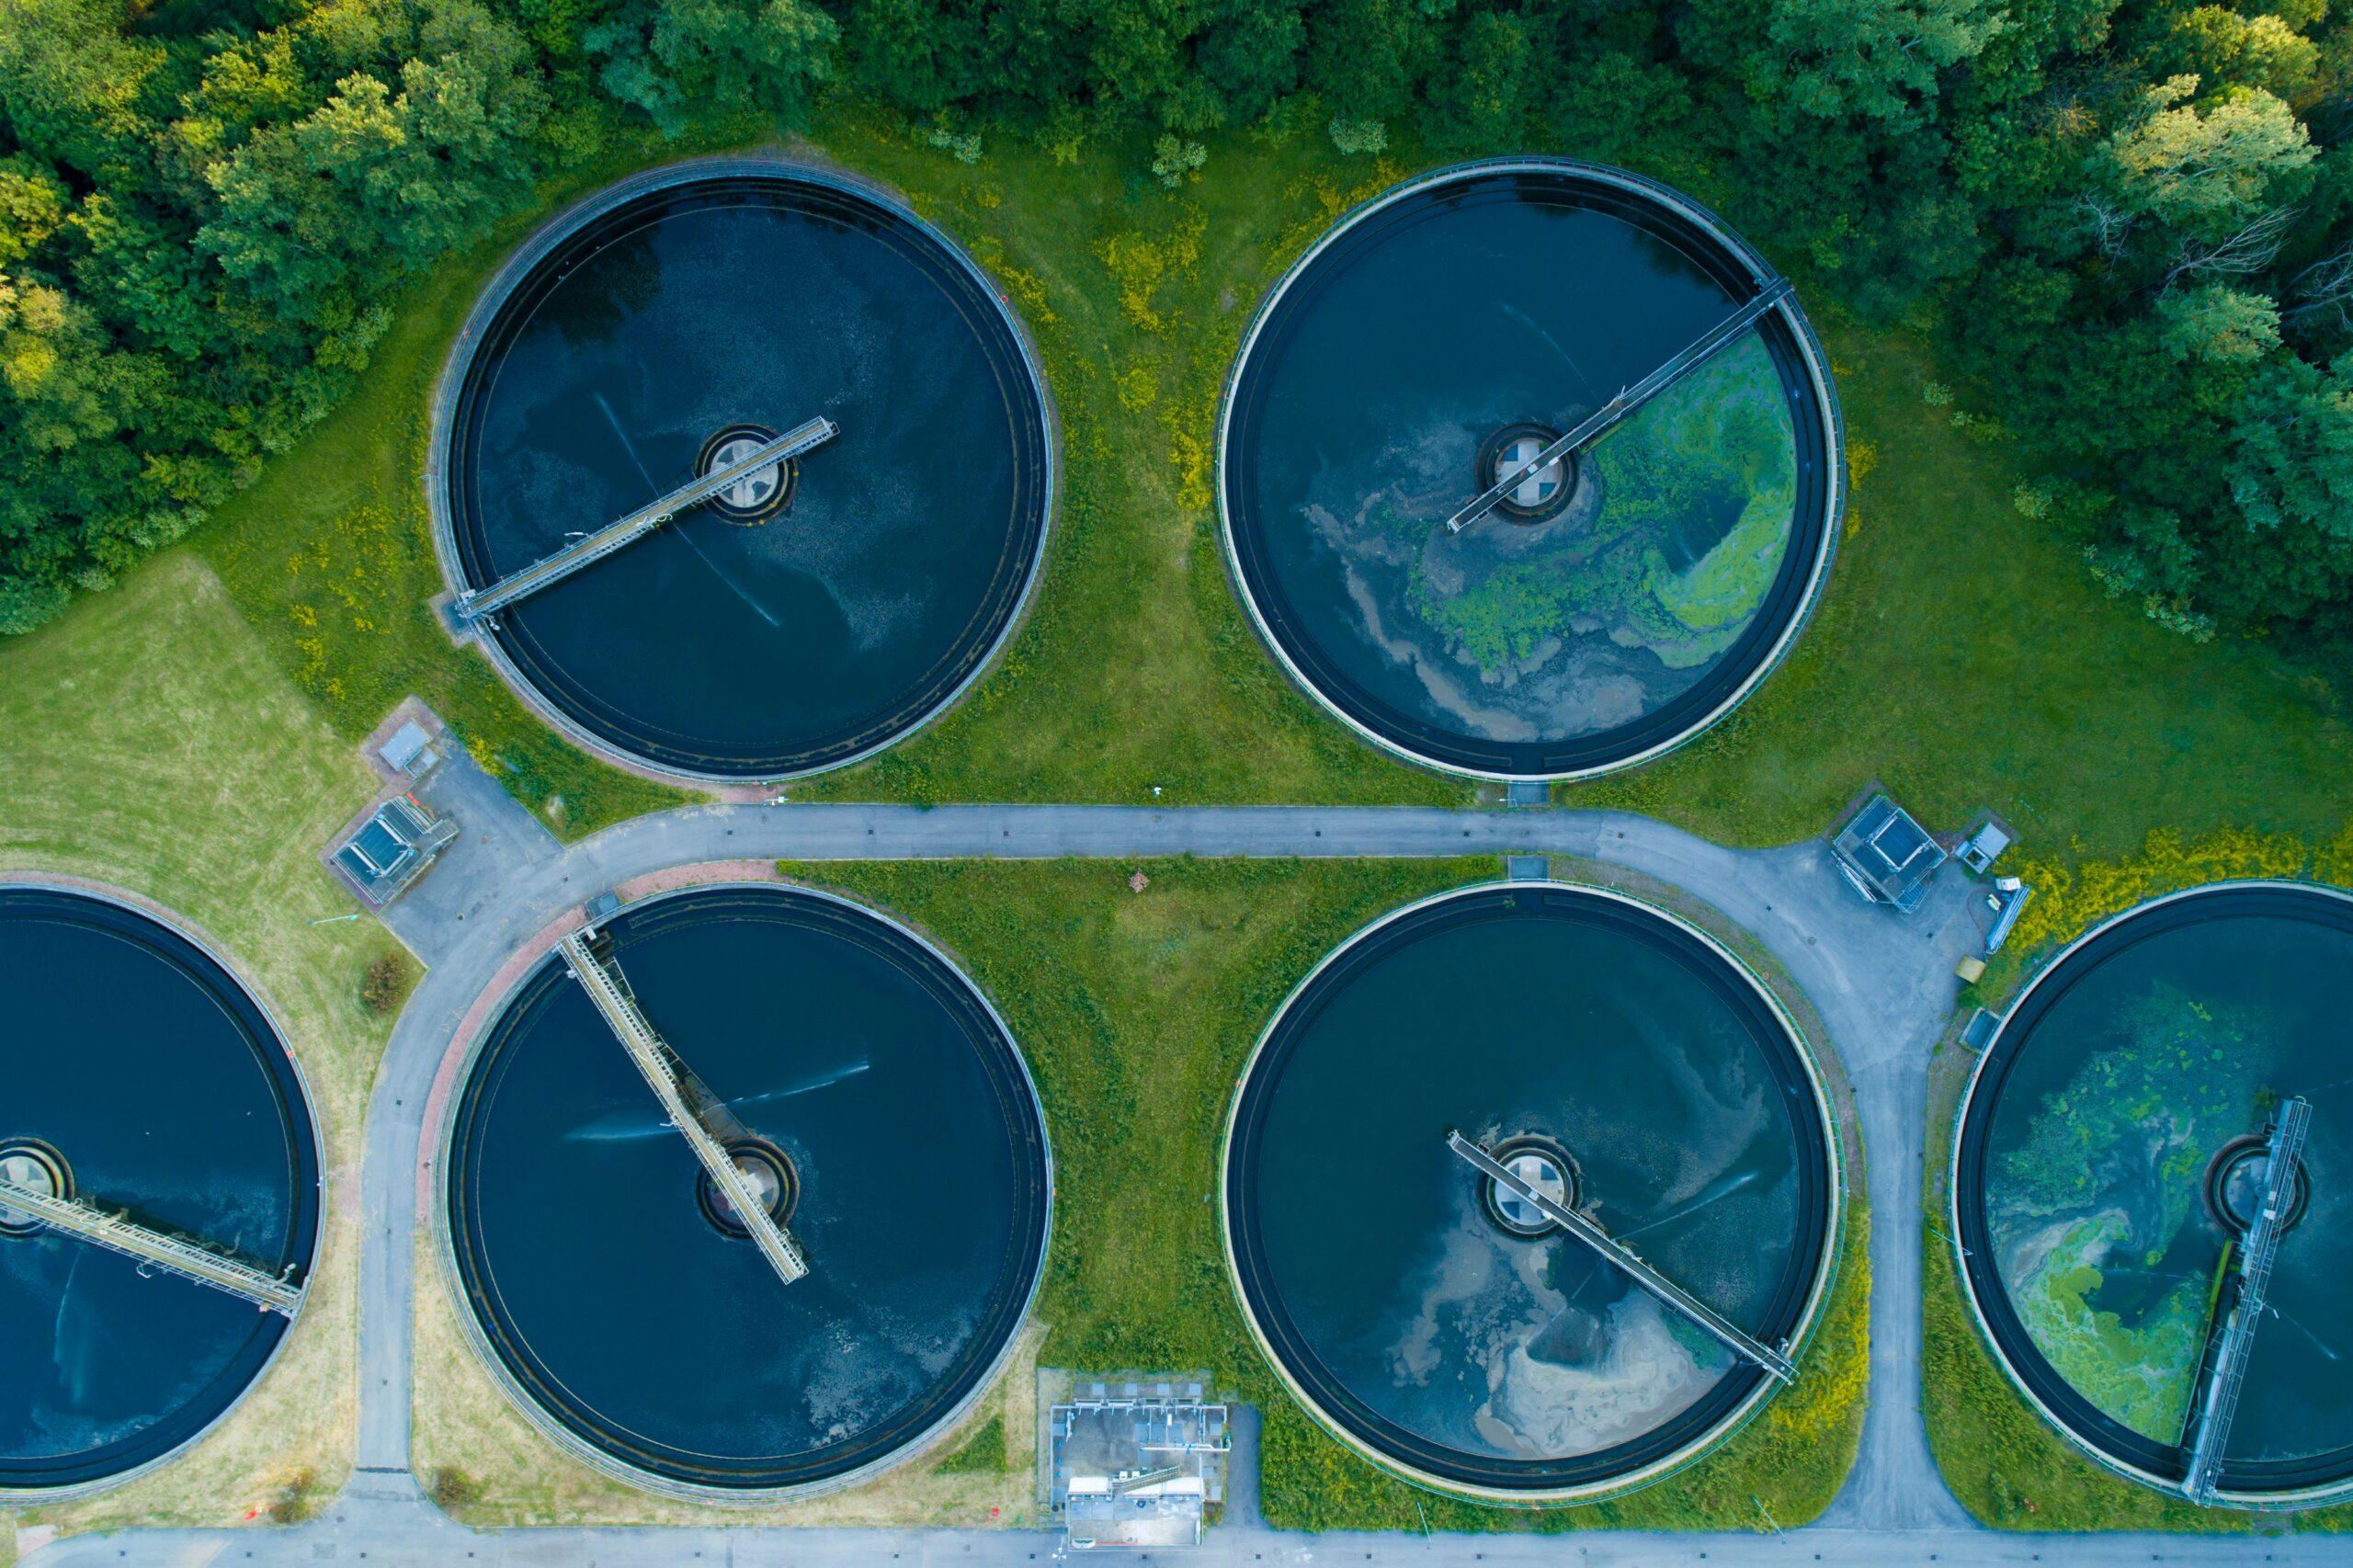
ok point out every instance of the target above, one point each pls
(1882, 986)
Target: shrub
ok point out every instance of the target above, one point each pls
(1352, 135)
(385, 985)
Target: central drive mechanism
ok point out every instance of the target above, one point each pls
(758, 495)
(765, 1170)
(1543, 1165)
(1539, 495)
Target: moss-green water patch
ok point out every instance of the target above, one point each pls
(2103, 1183)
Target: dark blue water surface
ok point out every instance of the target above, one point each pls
(144, 1063)
(1418, 1324)
(669, 1346)
(754, 651)
(2084, 1156)
(1437, 320)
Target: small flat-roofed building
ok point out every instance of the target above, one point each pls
(1137, 1466)
(1887, 855)
(391, 847)
(409, 750)
(1984, 846)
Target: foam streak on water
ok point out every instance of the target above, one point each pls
(1524, 319)
(623, 1126)
(1723, 1188)
(678, 526)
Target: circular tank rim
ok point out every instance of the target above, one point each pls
(468, 1052)
(1705, 1443)
(449, 382)
(188, 932)
(1809, 349)
(1964, 1229)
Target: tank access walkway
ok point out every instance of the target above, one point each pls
(191, 1259)
(1731, 1336)
(2226, 1366)
(476, 605)
(680, 1093)
(1611, 414)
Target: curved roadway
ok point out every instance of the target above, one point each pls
(1882, 984)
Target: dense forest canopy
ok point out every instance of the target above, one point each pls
(2130, 221)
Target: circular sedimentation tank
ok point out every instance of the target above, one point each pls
(143, 1079)
(1615, 603)
(887, 1117)
(814, 612)
(1614, 1057)
(2111, 1148)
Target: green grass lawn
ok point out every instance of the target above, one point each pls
(1137, 1033)
(1962, 655)
(189, 735)
(208, 784)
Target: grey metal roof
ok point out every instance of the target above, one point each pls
(406, 744)
(1890, 855)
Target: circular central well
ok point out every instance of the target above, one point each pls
(671, 318)
(1538, 493)
(1624, 1064)
(2114, 1144)
(880, 1099)
(1543, 1165)
(35, 1167)
(765, 1170)
(757, 496)
(141, 1078)
(1606, 609)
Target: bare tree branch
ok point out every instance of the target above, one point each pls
(2108, 223)
(2325, 286)
(2252, 248)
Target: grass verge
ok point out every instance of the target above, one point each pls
(208, 784)
(1136, 1034)
(1962, 655)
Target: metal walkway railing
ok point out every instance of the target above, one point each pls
(2226, 1370)
(1717, 338)
(188, 1258)
(475, 604)
(1741, 1343)
(662, 1072)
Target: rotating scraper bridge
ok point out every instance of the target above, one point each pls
(1590, 1230)
(151, 1246)
(478, 605)
(699, 1116)
(1884, 989)
(1627, 402)
(2227, 1352)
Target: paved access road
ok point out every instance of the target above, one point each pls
(1882, 986)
